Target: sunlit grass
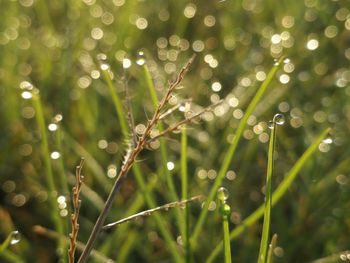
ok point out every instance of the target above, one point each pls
(74, 52)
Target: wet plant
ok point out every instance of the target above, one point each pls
(100, 69)
(278, 119)
(225, 211)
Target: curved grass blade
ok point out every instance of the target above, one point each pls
(7, 241)
(276, 196)
(231, 150)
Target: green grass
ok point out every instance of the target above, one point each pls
(52, 194)
(232, 148)
(268, 194)
(277, 194)
(58, 46)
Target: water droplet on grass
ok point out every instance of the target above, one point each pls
(26, 85)
(279, 119)
(223, 194)
(328, 141)
(104, 66)
(126, 63)
(26, 95)
(15, 237)
(140, 58)
(286, 61)
(276, 62)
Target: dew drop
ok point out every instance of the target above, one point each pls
(26, 95)
(270, 125)
(55, 155)
(223, 194)
(286, 61)
(26, 85)
(279, 119)
(328, 141)
(140, 58)
(15, 237)
(170, 166)
(53, 127)
(275, 62)
(104, 66)
(126, 63)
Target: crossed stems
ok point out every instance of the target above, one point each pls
(142, 141)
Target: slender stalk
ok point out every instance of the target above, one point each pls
(128, 163)
(7, 241)
(48, 170)
(343, 256)
(184, 194)
(231, 151)
(226, 231)
(149, 212)
(178, 125)
(268, 190)
(76, 209)
(276, 196)
(61, 173)
(271, 249)
(137, 171)
(163, 147)
(117, 103)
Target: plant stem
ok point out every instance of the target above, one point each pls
(231, 151)
(128, 163)
(184, 191)
(267, 205)
(226, 231)
(48, 170)
(276, 196)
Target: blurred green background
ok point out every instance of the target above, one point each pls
(57, 47)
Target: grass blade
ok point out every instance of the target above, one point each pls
(117, 103)
(267, 205)
(227, 247)
(276, 196)
(225, 212)
(231, 150)
(163, 150)
(184, 195)
(7, 241)
(137, 171)
(271, 249)
(40, 119)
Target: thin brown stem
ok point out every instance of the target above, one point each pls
(129, 161)
(76, 208)
(178, 125)
(150, 211)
